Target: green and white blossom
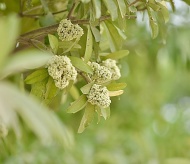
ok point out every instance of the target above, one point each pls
(61, 70)
(114, 69)
(101, 74)
(99, 95)
(68, 31)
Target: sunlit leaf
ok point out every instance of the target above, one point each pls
(112, 8)
(96, 33)
(37, 76)
(164, 11)
(116, 86)
(39, 45)
(86, 88)
(77, 105)
(51, 89)
(54, 43)
(122, 7)
(74, 92)
(97, 7)
(154, 28)
(105, 112)
(115, 93)
(80, 64)
(87, 117)
(117, 55)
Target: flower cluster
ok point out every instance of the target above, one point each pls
(114, 69)
(61, 70)
(101, 74)
(68, 31)
(99, 95)
(3, 130)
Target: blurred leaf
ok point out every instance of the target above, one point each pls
(96, 33)
(105, 112)
(187, 1)
(47, 20)
(9, 30)
(164, 11)
(87, 117)
(115, 93)
(154, 28)
(77, 105)
(74, 92)
(54, 43)
(154, 6)
(89, 43)
(97, 8)
(51, 89)
(86, 88)
(117, 55)
(116, 86)
(39, 119)
(85, 1)
(80, 64)
(122, 7)
(37, 76)
(67, 44)
(177, 161)
(38, 44)
(23, 60)
(112, 8)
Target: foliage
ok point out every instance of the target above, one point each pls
(79, 65)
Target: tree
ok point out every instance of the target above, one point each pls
(72, 49)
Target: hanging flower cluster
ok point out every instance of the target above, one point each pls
(105, 72)
(99, 95)
(68, 31)
(61, 70)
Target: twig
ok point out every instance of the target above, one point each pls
(133, 3)
(21, 7)
(71, 11)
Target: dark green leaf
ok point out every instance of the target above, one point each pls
(77, 105)
(37, 76)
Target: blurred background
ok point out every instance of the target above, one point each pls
(149, 123)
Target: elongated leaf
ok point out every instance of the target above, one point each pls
(67, 44)
(122, 7)
(9, 31)
(116, 86)
(117, 55)
(51, 89)
(86, 88)
(97, 8)
(154, 6)
(112, 8)
(39, 45)
(74, 92)
(164, 11)
(54, 43)
(154, 28)
(105, 112)
(80, 64)
(77, 105)
(21, 61)
(96, 33)
(87, 117)
(37, 76)
(115, 93)
(89, 42)
(85, 1)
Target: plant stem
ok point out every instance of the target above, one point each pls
(71, 11)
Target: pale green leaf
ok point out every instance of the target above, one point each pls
(89, 44)
(54, 43)
(24, 60)
(39, 45)
(38, 89)
(86, 88)
(115, 93)
(116, 86)
(164, 11)
(117, 55)
(97, 8)
(122, 7)
(154, 6)
(9, 31)
(74, 92)
(87, 117)
(96, 33)
(85, 1)
(37, 76)
(105, 112)
(154, 28)
(112, 8)
(80, 64)
(67, 44)
(77, 105)
(51, 89)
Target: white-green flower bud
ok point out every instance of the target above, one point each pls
(101, 74)
(61, 70)
(68, 31)
(114, 69)
(3, 130)
(99, 95)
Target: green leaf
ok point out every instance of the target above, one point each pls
(154, 6)
(67, 44)
(87, 117)
(47, 20)
(9, 31)
(54, 43)
(154, 28)
(164, 11)
(89, 43)
(80, 64)
(37, 76)
(85, 1)
(77, 105)
(105, 112)
(117, 55)
(74, 92)
(86, 88)
(187, 1)
(116, 86)
(115, 93)
(122, 7)
(97, 8)
(39, 45)
(51, 89)
(112, 8)
(96, 33)
(24, 60)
